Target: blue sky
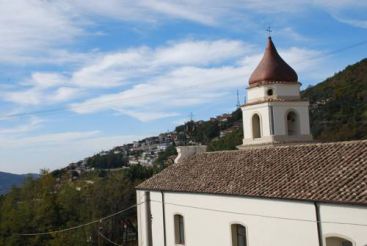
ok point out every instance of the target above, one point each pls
(117, 70)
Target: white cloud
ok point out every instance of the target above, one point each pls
(46, 139)
(39, 96)
(29, 26)
(167, 90)
(47, 80)
(154, 83)
(123, 68)
(35, 31)
(33, 123)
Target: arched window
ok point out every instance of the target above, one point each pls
(239, 237)
(292, 124)
(256, 126)
(338, 241)
(179, 229)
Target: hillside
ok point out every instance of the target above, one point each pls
(7, 180)
(338, 107)
(77, 193)
(338, 112)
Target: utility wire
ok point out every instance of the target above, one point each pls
(259, 215)
(79, 226)
(330, 53)
(107, 239)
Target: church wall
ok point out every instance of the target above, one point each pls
(156, 218)
(263, 112)
(280, 113)
(141, 208)
(344, 214)
(279, 90)
(208, 219)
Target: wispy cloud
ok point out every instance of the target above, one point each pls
(186, 86)
(46, 139)
(32, 124)
(123, 68)
(35, 31)
(154, 81)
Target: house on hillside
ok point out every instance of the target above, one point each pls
(280, 188)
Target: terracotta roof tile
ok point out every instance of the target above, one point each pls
(330, 172)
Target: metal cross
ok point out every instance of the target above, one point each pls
(269, 30)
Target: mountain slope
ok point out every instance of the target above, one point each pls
(338, 105)
(7, 180)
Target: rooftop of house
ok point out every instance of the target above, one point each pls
(326, 172)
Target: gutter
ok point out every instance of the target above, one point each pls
(164, 219)
(148, 219)
(318, 221)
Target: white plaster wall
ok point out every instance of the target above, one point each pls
(279, 90)
(344, 214)
(142, 229)
(263, 112)
(212, 227)
(280, 111)
(157, 215)
(207, 220)
(157, 218)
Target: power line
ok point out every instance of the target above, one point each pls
(107, 239)
(330, 53)
(260, 215)
(79, 226)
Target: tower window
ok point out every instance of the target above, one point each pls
(179, 229)
(292, 124)
(269, 92)
(239, 237)
(256, 126)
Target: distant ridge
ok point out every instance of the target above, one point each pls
(8, 180)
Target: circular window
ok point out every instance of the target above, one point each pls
(270, 92)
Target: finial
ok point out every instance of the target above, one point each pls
(269, 31)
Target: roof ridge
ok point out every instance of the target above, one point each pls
(287, 145)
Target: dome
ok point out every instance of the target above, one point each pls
(272, 68)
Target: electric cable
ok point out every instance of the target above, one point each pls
(107, 239)
(15, 115)
(260, 215)
(78, 226)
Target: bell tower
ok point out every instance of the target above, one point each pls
(274, 111)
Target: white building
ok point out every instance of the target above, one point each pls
(280, 189)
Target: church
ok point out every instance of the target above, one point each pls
(279, 188)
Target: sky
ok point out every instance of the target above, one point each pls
(81, 76)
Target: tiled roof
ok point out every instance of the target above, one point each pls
(330, 172)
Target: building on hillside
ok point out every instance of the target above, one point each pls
(280, 188)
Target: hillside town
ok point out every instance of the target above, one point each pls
(146, 151)
(183, 123)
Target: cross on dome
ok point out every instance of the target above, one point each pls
(269, 31)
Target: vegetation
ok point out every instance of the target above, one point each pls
(61, 199)
(164, 155)
(107, 160)
(52, 203)
(228, 142)
(339, 105)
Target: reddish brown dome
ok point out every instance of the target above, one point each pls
(272, 68)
